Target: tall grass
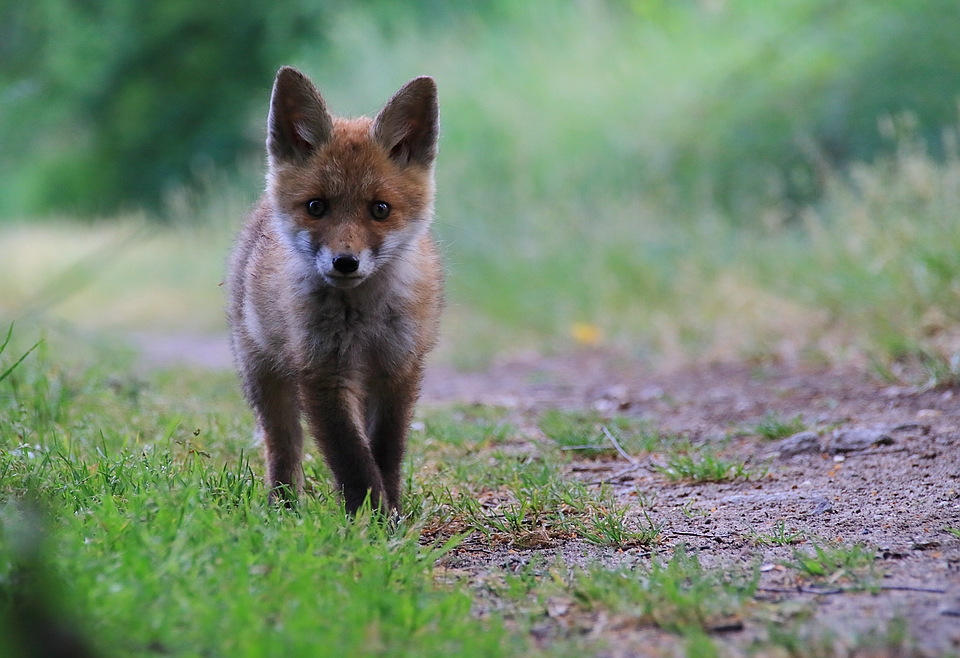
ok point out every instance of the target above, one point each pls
(871, 272)
(882, 254)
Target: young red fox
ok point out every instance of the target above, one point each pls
(335, 286)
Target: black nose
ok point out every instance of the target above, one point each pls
(346, 264)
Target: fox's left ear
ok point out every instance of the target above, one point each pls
(409, 124)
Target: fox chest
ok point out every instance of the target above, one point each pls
(351, 334)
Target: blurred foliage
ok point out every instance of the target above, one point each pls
(108, 103)
(808, 95)
(112, 104)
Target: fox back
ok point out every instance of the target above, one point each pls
(335, 286)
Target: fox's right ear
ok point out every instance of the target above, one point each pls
(299, 122)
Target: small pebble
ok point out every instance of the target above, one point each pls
(823, 506)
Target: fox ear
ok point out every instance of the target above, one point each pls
(299, 123)
(409, 124)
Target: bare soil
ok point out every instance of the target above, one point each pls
(897, 498)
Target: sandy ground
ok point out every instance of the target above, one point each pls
(895, 496)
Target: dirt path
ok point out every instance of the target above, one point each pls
(896, 491)
(896, 497)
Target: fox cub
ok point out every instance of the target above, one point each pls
(335, 286)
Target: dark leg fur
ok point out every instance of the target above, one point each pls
(389, 413)
(275, 402)
(333, 414)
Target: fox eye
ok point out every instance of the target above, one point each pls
(379, 209)
(316, 207)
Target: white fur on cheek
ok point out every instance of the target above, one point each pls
(324, 260)
(399, 253)
(367, 263)
(396, 245)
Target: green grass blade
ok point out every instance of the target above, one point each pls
(6, 373)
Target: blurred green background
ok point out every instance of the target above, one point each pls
(110, 105)
(651, 173)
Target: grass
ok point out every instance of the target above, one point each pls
(836, 564)
(187, 565)
(941, 372)
(701, 464)
(772, 426)
(534, 502)
(780, 536)
(678, 595)
(475, 427)
(160, 534)
(892, 641)
(585, 434)
(611, 527)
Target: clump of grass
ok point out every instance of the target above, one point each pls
(941, 372)
(833, 564)
(701, 464)
(522, 498)
(891, 640)
(679, 596)
(612, 527)
(773, 426)
(953, 531)
(551, 507)
(926, 369)
(780, 536)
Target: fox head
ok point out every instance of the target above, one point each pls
(351, 195)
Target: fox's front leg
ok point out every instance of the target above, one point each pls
(333, 413)
(276, 404)
(389, 412)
